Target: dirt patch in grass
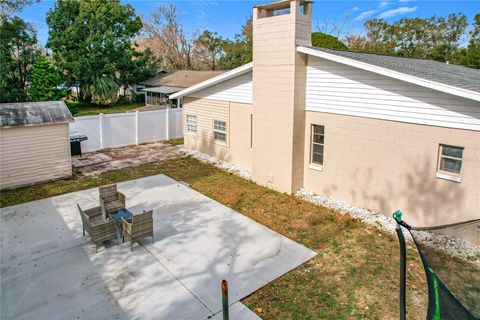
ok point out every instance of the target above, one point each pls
(175, 142)
(354, 275)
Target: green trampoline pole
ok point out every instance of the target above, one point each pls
(397, 215)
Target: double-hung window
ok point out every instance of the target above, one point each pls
(449, 162)
(191, 124)
(317, 145)
(220, 130)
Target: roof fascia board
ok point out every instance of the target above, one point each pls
(393, 74)
(213, 81)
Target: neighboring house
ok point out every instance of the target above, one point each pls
(158, 89)
(34, 143)
(376, 131)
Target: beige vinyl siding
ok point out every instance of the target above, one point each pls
(238, 89)
(337, 88)
(32, 154)
(237, 117)
(206, 112)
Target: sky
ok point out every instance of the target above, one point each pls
(227, 16)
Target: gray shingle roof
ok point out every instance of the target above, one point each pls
(34, 113)
(449, 74)
(163, 89)
(181, 78)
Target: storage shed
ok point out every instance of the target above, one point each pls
(34, 143)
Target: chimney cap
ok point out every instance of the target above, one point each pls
(280, 4)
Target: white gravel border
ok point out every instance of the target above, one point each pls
(378, 220)
(225, 165)
(451, 246)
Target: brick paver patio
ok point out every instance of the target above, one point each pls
(95, 163)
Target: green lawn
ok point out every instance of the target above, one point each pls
(354, 275)
(93, 109)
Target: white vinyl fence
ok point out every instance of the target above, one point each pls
(123, 129)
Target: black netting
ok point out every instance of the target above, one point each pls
(450, 256)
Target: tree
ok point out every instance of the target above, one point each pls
(238, 51)
(136, 67)
(44, 82)
(436, 38)
(379, 36)
(167, 40)
(92, 44)
(470, 56)
(10, 6)
(356, 42)
(208, 47)
(323, 40)
(18, 52)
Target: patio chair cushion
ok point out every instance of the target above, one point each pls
(114, 205)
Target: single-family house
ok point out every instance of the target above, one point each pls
(158, 89)
(380, 132)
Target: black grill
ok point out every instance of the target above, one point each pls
(75, 146)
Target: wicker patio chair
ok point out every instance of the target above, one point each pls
(140, 227)
(111, 200)
(97, 227)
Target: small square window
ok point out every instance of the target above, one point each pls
(191, 124)
(220, 130)
(450, 162)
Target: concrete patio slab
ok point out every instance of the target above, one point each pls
(43, 227)
(79, 284)
(49, 270)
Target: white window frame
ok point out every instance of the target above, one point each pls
(216, 129)
(447, 174)
(192, 126)
(316, 165)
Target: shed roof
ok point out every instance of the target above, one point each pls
(181, 78)
(34, 113)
